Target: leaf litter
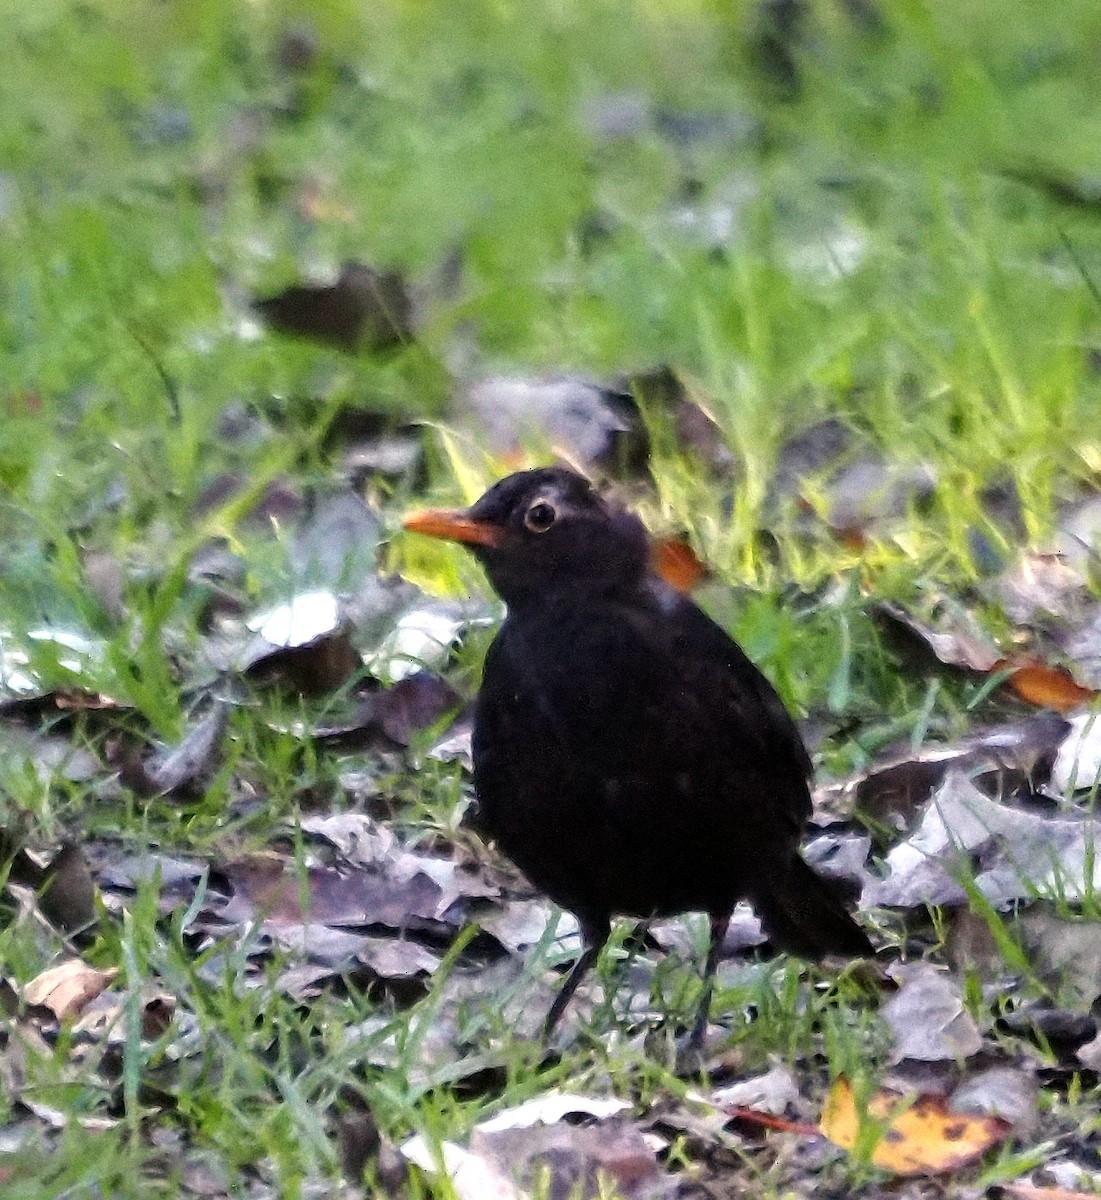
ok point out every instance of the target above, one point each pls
(364, 909)
(343, 903)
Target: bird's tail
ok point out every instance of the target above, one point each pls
(802, 914)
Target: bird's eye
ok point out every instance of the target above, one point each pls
(541, 516)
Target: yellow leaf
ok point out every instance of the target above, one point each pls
(923, 1138)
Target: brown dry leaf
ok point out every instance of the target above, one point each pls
(406, 890)
(964, 646)
(928, 1019)
(531, 1151)
(102, 1017)
(67, 988)
(955, 641)
(1002, 760)
(676, 562)
(1047, 686)
(773, 1093)
(68, 896)
(178, 769)
(1011, 853)
(1065, 952)
(1029, 1191)
(305, 644)
(61, 703)
(361, 308)
(922, 1139)
(398, 713)
(1040, 586)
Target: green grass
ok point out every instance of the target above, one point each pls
(157, 165)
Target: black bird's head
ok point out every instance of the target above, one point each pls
(541, 530)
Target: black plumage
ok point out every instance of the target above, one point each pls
(628, 756)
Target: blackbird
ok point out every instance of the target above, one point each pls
(628, 756)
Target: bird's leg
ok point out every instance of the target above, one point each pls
(593, 936)
(718, 933)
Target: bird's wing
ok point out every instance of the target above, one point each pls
(753, 707)
(725, 707)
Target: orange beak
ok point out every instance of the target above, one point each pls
(455, 525)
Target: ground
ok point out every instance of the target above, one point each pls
(814, 286)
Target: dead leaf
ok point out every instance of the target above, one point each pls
(300, 622)
(1058, 1031)
(1013, 854)
(67, 988)
(766, 1120)
(455, 745)
(1002, 761)
(864, 494)
(550, 1109)
(922, 1137)
(1039, 586)
(414, 703)
(359, 838)
(1006, 1092)
(68, 896)
(471, 1177)
(676, 562)
(530, 1151)
(304, 643)
(397, 966)
(775, 1092)
(1046, 686)
(520, 924)
(956, 642)
(1065, 952)
(51, 756)
(1029, 1191)
(103, 1017)
(179, 769)
(362, 309)
(583, 421)
(405, 890)
(842, 857)
(316, 669)
(927, 1017)
(424, 636)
